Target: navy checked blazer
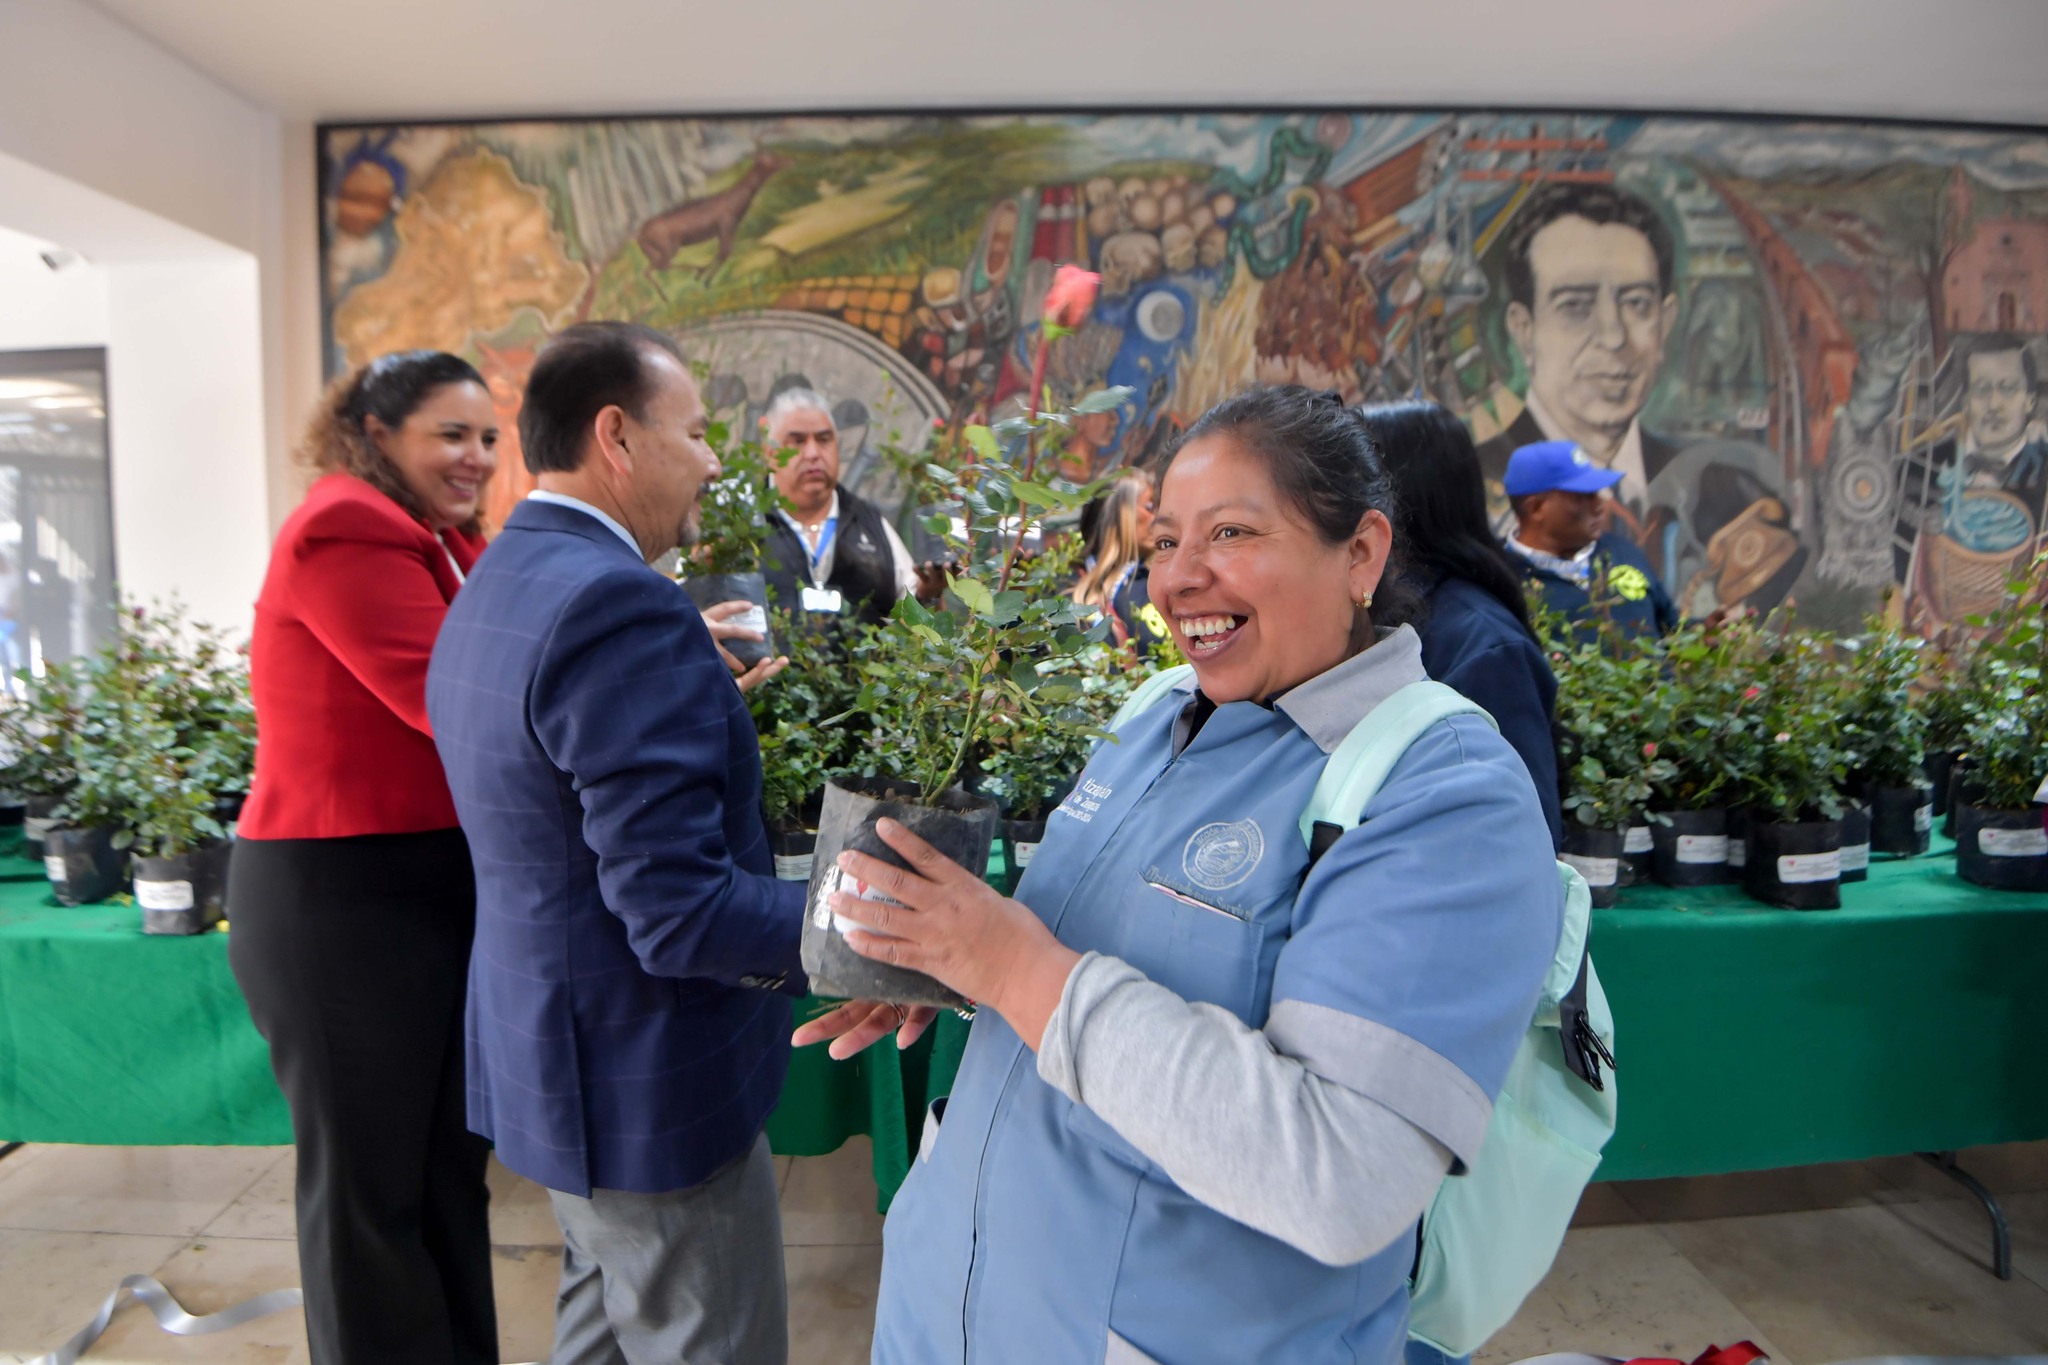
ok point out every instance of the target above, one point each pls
(629, 1009)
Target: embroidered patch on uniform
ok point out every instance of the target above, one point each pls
(1220, 856)
(1628, 582)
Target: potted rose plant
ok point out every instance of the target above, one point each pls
(1609, 756)
(725, 564)
(800, 750)
(2000, 840)
(1795, 790)
(37, 732)
(1886, 736)
(1005, 638)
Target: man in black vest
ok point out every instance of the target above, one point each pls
(832, 553)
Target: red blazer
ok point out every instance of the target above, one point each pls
(338, 669)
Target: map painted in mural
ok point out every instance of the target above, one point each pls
(1813, 348)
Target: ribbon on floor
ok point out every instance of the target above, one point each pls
(170, 1315)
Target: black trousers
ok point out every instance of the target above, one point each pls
(354, 957)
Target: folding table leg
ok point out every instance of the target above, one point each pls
(2001, 1235)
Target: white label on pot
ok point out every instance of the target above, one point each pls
(1923, 819)
(1637, 840)
(1596, 871)
(37, 828)
(163, 895)
(1795, 868)
(1703, 848)
(53, 868)
(753, 618)
(1025, 853)
(1855, 857)
(1738, 853)
(835, 879)
(794, 867)
(2013, 843)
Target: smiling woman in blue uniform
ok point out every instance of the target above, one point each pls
(1212, 1086)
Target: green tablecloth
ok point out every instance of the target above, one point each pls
(1911, 1019)
(108, 1035)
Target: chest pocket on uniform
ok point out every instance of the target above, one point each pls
(1196, 943)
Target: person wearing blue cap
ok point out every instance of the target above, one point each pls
(1566, 552)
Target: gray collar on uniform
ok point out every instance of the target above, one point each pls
(1329, 706)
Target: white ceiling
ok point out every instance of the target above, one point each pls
(377, 59)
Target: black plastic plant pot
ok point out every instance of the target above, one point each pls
(1795, 866)
(1855, 843)
(2006, 849)
(1638, 850)
(38, 819)
(12, 811)
(710, 589)
(1958, 787)
(1938, 768)
(83, 864)
(1689, 848)
(794, 850)
(1596, 853)
(1739, 821)
(1901, 819)
(961, 826)
(182, 895)
(1021, 839)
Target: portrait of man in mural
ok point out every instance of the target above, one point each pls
(1970, 505)
(1591, 303)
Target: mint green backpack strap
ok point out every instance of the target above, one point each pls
(1149, 692)
(1359, 766)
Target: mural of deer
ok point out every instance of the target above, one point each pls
(699, 220)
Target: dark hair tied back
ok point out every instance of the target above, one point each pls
(391, 389)
(1324, 462)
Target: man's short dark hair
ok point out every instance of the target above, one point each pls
(1969, 347)
(1518, 503)
(583, 370)
(1597, 204)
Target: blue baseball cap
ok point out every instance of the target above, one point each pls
(1560, 466)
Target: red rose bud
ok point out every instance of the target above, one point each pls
(1072, 297)
(1650, 750)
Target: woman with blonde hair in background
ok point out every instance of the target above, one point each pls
(1116, 581)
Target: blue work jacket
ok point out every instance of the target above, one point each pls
(1404, 965)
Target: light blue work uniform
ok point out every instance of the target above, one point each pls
(1405, 967)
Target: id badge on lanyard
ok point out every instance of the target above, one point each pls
(817, 597)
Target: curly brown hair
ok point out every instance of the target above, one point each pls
(389, 388)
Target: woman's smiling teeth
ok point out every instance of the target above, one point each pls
(1207, 634)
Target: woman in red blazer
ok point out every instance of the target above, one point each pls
(350, 893)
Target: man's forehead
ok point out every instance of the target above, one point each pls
(805, 419)
(1995, 361)
(1579, 250)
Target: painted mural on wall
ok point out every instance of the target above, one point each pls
(1813, 348)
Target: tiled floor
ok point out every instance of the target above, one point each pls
(1815, 1264)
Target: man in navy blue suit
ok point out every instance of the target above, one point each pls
(635, 959)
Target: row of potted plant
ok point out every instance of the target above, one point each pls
(131, 764)
(1752, 751)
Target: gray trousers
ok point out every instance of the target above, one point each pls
(686, 1277)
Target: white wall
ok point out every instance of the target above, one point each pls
(185, 425)
(173, 186)
(43, 308)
